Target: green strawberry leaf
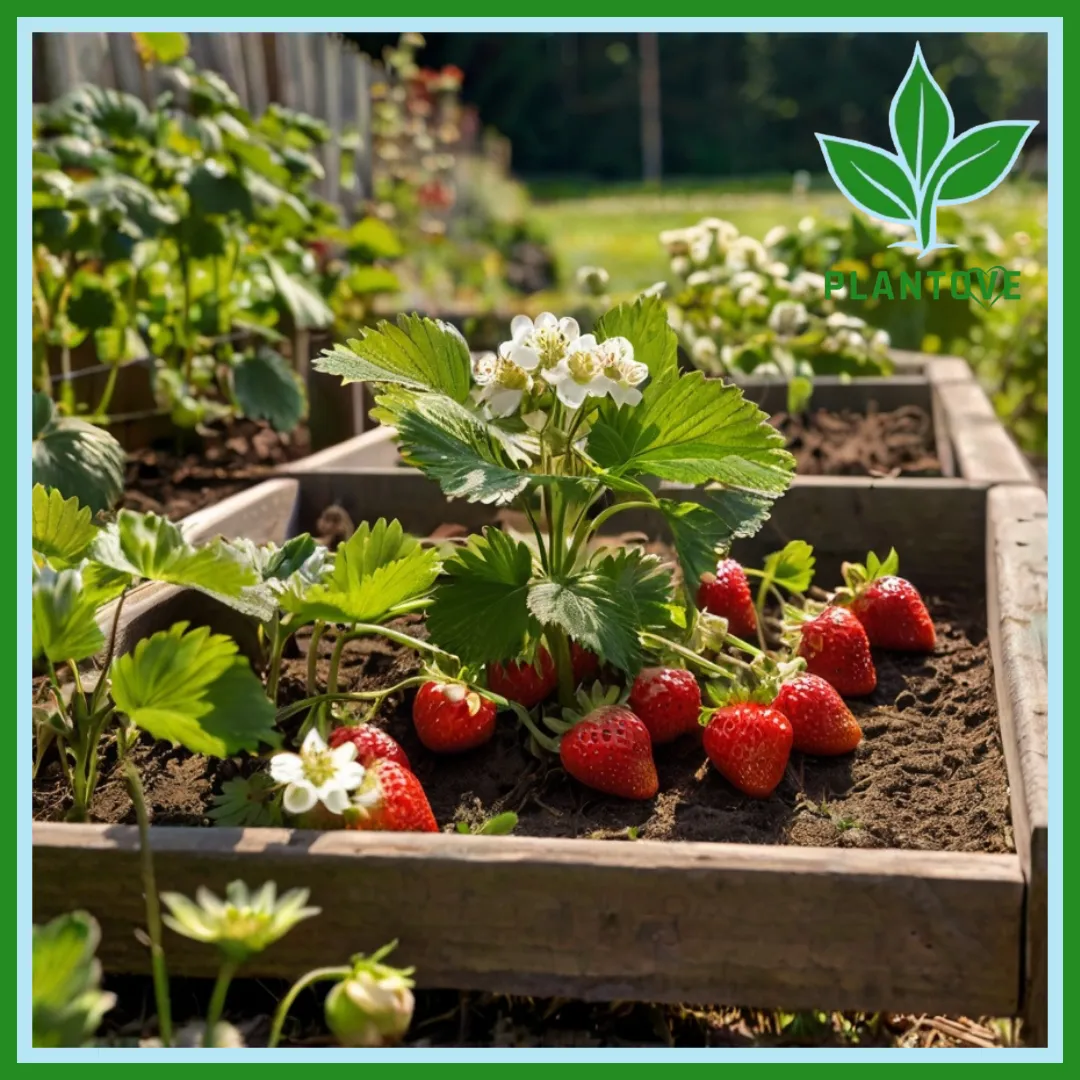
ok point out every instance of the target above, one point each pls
(644, 324)
(499, 825)
(78, 459)
(247, 802)
(872, 179)
(979, 160)
(800, 390)
(62, 529)
(605, 606)
(417, 353)
(479, 612)
(470, 457)
(793, 567)
(370, 239)
(267, 389)
(308, 309)
(699, 535)
(193, 689)
(920, 119)
(376, 571)
(694, 430)
(68, 1002)
(150, 547)
(63, 614)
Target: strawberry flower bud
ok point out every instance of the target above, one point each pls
(373, 1006)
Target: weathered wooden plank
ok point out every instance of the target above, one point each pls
(937, 525)
(779, 927)
(330, 100)
(263, 513)
(253, 55)
(837, 395)
(983, 449)
(1017, 598)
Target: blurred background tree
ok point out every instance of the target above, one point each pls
(731, 104)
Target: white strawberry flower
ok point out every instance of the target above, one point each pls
(542, 343)
(788, 318)
(579, 375)
(776, 235)
(703, 351)
(317, 774)
(698, 278)
(503, 381)
(880, 340)
(622, 374)
(750, 297)
(806, 285)
(746, 253)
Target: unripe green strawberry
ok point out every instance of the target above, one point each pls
(372, 1007)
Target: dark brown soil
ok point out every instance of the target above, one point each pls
(176, 482)
(448, 1018)
(897, 443)
(929, 774)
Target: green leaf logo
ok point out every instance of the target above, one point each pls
(931, 166)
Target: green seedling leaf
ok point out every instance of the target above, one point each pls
(160, 48)
(79, 460)
(872, 179)
(267, 389)
(500, 825)
(64, 626)
(68, 1002)
(645, 323)
(793, 567)
(309, 311)
(800, 390)
(480, 613)
(920, 119)
(364, 280)
(378, 569)
(62, 529)
(150, 547)
(694, 430)
(193, 689)
(372, 239)
(417, 353)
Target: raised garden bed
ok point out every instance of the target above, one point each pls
(929, 420)
(959, 931)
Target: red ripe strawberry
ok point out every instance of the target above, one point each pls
(610, 750)
(585, 664)
(835, 647)
(390, 799)
(821, 721)
(727, 593)
(749, 744)
(371, 743)
(523, 682)
(668, 702)
(450, 718)
(894, 616)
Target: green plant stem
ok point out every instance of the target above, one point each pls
(277, 647)
(153, 907)
(560, 653)
(689, 654)
(541, 546)
(217, 1001)
(282, 1011)
(313, 655)
(586, 527)
(101, 413)
(361, 695)
(103, 680)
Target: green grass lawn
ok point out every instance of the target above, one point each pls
(617, 228)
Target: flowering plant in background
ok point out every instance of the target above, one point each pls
(739, 306)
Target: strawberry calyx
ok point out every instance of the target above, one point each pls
(588, 700)
(758, 686)
(857, 576)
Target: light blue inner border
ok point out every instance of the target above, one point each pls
(1052, 27)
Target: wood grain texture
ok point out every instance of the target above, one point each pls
(1017, 591)
(982, 448)
(777, 927)
(938, 525)
(262, 513)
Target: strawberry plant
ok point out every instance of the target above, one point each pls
(182, 685)
(571, 430)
